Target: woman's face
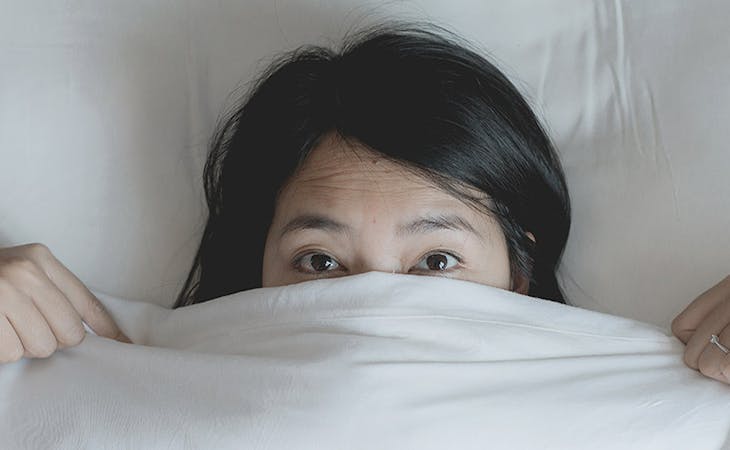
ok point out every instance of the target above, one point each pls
(349, 210)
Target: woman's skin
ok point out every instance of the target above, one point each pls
(708, 314)
(349, 210)
(346, 211)
(42, 304)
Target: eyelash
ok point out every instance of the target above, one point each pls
(458, 259)
(297, 261)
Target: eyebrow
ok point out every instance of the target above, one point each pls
(420, 225)
(430, 223)
(315, 222)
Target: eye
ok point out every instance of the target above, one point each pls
(437, 261)
(316, 263)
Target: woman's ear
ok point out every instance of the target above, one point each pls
(521, 284)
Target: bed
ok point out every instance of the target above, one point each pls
(106, 109)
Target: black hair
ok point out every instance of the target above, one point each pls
(414, 92)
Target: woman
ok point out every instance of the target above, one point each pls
(404, 152)
(428, 106)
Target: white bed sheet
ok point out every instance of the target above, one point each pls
(371, 361)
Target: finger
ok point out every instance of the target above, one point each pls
(687, 322)
(29, 324)
(715, 363)
(59, 313)
(90, 308)
(714, 323)
(11, 349)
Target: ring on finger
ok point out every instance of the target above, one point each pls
(716, 340)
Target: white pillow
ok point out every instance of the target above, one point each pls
(106, 109)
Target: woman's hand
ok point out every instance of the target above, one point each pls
(42, 304)
(708, 314)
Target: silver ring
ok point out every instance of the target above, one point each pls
(716, 340)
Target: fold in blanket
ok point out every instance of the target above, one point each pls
(364, 362)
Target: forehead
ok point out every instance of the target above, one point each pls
(338, 162)
(337, 169)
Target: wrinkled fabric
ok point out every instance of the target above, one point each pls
(370, 361)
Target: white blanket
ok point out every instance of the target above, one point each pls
(374, 361)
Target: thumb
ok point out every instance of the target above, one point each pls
(121, 337)
(99, 319)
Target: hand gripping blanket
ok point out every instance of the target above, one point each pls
(374, 361)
